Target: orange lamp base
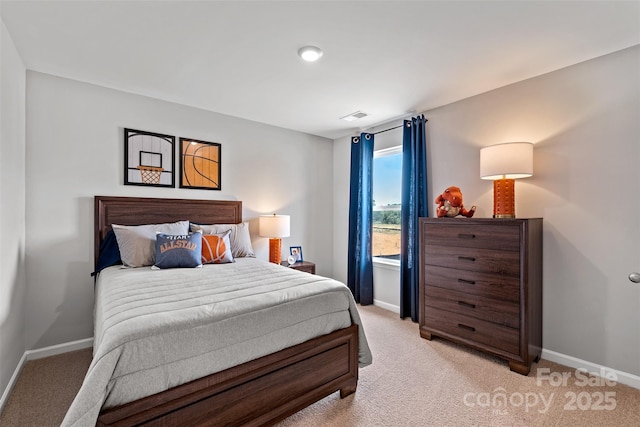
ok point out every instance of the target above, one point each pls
(504, 198)
(275, 250)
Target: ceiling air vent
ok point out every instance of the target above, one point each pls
(354, 116)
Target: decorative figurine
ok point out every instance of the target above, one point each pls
(450, 204)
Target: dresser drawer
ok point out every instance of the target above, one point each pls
(456, 233)
(472, 259)
(475, 331)
(492, 310)
(496, 286)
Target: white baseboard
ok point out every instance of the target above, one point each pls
(386, 306)
(39, 354)
(12, 382)
(58, 349)
(573, 362)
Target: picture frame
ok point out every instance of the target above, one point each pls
(296, 252)
(200, 164)
(149, 158)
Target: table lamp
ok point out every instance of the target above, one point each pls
(274, 226)
(504, 163)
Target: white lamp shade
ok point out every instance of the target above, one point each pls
(512, 160)
(274, 225)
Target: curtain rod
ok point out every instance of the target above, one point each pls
(391, 128)
(387, 130)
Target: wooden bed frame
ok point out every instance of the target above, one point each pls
(257, 393)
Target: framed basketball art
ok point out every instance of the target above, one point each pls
(149, 158)
(200, 163)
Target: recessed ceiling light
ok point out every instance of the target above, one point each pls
(354, 116)
(310, 53)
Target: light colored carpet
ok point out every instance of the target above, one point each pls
(412, 382)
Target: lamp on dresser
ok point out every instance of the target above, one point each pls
(504, 163)
(275, 227)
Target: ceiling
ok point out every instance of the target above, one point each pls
(385, 58)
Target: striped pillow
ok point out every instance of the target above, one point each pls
(216, 248)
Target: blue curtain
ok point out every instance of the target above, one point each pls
(360, 266)
(414, 206)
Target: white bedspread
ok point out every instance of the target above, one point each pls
(156, 329)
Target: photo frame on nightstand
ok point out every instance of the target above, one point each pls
(296, 252)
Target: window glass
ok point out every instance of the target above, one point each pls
(387, 182)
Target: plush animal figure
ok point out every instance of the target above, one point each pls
(450, 204)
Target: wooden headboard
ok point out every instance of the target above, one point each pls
(142, 210)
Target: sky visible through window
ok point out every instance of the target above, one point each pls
(387, 180)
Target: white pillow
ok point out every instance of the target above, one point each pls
(137, 243)
(240, 238)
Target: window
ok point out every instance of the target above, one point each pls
(387, 183)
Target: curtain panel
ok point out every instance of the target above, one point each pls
(360, 265)
(414, 206)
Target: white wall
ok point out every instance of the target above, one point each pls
(586, 185)
(341, 166)
(75, 151)
(12, 207)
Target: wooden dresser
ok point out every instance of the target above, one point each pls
(481, 285)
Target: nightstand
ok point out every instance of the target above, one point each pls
(306, 266)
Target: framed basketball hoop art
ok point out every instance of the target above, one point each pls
(200, 164)
(149, 159)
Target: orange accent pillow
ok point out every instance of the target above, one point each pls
(216, 248)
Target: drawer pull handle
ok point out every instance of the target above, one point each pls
(466, 258)
(468, 328)
(466, 236)
(466, 304)
(467, 282)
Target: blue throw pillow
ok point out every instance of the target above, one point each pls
(108, 253)
(178, 251)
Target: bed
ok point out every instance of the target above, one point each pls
(135, 380)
